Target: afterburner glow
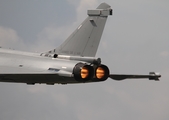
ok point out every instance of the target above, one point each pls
(100, 72)
(84, 72)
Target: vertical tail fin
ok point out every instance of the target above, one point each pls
(85, 39)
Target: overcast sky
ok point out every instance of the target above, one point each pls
(135, 40)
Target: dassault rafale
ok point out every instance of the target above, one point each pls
(73, 61)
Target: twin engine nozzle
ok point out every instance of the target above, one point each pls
(83, 72)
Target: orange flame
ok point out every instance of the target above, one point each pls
(84, 72)
(100, 72)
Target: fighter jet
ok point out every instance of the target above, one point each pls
(73, 61)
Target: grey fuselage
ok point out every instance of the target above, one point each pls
(34, 68)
